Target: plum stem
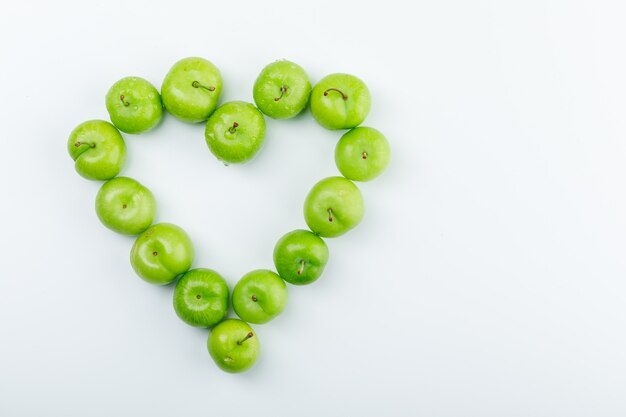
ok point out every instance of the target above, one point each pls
(78, 144)
(283, 90)
(196, 84)
(301, 269)
(330, 215)
(254, 298)
(364, 155)
(123, 99)
(248, 336)
(345, 97)
(233, 128)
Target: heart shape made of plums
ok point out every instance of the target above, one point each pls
(234, 133)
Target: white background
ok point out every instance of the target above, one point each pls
(488, 277)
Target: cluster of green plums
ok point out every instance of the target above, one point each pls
(234, 133)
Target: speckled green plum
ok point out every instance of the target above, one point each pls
(191, 89)
(259, 296)
(333, 206)
(362, 154)
(282, 90)
(235, 132)
(300, 257)
(98, 150)
(233, 345)
(125, 206)
(201, 297)
(162, 253)
(134, 105)
(340, 101)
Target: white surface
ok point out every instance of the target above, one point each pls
(487, 279)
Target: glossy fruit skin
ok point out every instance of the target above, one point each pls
(342, 198)
(285, 81)
(228, 354)
(362, 154)
(140, 109)
(125, 206)
(98, 150)
(333, 111)
(161, 253)
(300, 257)
(269, 291)
(238, 144)
(191, 89)
(201, 297)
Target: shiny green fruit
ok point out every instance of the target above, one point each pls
(125, 206)
(362, 154)
(259, 296)
(333, 206)
(340, 101)
(201, 298)
(300, 257)
(233, 345)
(134, 105)
(282, 90)
(162, 253)
(98, 150)
(191, 89)
(235, 132)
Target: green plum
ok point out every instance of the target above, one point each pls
(191, 89)
(300, 257)
(134, 105)
(333, 206)
(98, 150)
(125, 206)
(161, 253)
(235, 131)
(233, 345)
(340, 101)
(201, 297)
(282, 90)
(362, 154)
(259, 296)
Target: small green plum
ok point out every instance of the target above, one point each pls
(201, 297)
(235, 132)
(259, 296)
(98, 150)
(362, 154)
(233, 345)
(300, 257)
(191, 89)
(333, 206)
(134, 105)
(162, 253)
(125, 206)
(340, 101)
(282, 90)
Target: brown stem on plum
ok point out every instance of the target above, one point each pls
(78, 144)
(330, 215)
(301, 269)
(155, 253)
(345, 97)
(248, 336)
(364, 155)
(233, 128)
(123, 99)
(254, 298)
(283, 90)
(196, 84)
